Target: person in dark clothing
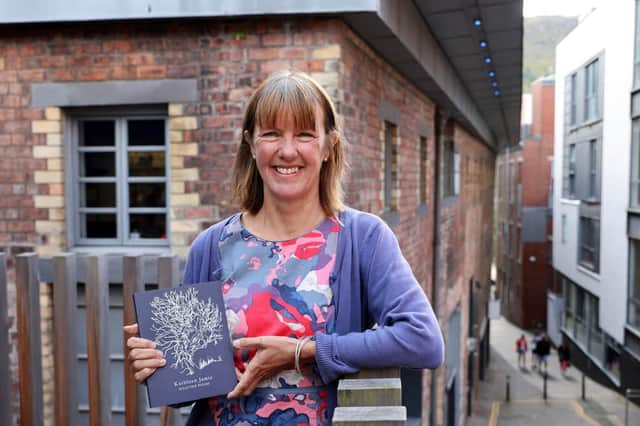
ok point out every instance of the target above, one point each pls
(543, 349)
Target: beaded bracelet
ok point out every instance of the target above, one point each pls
(299, 345)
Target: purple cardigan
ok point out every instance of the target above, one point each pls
(371, 283)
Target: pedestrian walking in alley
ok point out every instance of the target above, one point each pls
(522, 348)
(563, 357)
(535, 355)
(543, 348)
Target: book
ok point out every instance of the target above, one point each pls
(189, 325)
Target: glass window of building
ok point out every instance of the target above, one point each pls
(591, 91)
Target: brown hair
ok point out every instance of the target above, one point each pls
(297, 94)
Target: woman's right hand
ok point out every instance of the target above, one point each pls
(143, 356)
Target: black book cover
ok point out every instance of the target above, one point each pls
(189, 325)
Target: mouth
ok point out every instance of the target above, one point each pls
(287, 170)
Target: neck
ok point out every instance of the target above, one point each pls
(283, 221)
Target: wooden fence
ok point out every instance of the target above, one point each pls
(370, 397)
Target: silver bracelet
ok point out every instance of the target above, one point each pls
(299, 345)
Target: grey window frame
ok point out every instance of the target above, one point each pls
(633, 320)
(592, 226)
(634, 199)
(120, 116)
(573, 102)
(636, 61)
(593, 168)
(572, 170)
(591, 90)
(563, 228)
(390, 164)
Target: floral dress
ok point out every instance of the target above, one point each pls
(277, 288)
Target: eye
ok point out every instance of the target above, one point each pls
(306, 136)
(269, 135)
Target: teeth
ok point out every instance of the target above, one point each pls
(287, 171)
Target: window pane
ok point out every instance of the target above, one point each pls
(98, 164)
(147, 194)
(97, 133)
(97, 195)
(147, 226)
(146, 132)
(149, 163)
(98, 225)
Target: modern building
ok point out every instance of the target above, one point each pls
(595, 227)
(523, 211)
(119, 122)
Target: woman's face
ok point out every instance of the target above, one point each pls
(289, 159)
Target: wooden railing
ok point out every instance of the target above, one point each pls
(370, 397)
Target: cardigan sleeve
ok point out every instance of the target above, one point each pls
(408, 333)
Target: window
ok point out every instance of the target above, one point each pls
(563, 228)
(422, 174)
(589, 243)
(451, 170)
(572, 170)
(573, 107)
(511, 183)
(390, 166)
(569, 305)
(591, 91)
(593, 168)
(505, 239)
(120, 180)
(636, 73)
(634, 284)
(634, 199)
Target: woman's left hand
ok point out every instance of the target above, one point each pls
(274, 354)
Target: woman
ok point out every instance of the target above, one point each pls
(304, 277)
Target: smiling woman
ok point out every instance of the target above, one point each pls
(304, 277)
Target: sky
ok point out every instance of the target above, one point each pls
(558, 7)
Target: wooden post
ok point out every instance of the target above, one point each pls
(65, 305)
(29, 341)
(97, 300)
(169, 277)
(5, 399)
(134, 394)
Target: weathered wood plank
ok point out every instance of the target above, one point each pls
(364, 416)
(29, 339)
(114, 268)
(133, 282)
(5, 398)
(169, 277)
(376, 373)
(65, 301)
(369, 392)
(97, 301)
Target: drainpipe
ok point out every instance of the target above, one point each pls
(435, 249)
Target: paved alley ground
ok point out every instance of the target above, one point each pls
(564, 405)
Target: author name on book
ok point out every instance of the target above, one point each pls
(198, 382)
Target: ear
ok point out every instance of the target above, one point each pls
(247, 138)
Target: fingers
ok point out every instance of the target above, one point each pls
(248, 343)
(246, 385)
(139, 342)
(143, 374)
(131, 328)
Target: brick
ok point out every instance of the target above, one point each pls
(175, 136)
(56, 189)
(54, 164)
(177, 162)
(49, 226)
(175, 110)
(177, 187)
(184, 226)
(53, 113)
(326, 79)
(54, 139)
(183, 123)
(48, 176)
(184, 149)
(328, 52)
(184, 175)
(40, 151)
(185, 200)
(48, 201)
(46, 126)
(151, 71)
(57, 214)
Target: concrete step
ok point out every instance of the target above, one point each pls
(369, 392)
(363, 416)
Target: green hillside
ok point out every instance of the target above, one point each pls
(541, 35)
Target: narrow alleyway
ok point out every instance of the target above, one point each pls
(564, 405)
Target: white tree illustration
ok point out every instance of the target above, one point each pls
(185, 324)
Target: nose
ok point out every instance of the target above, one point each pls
(287, 147)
